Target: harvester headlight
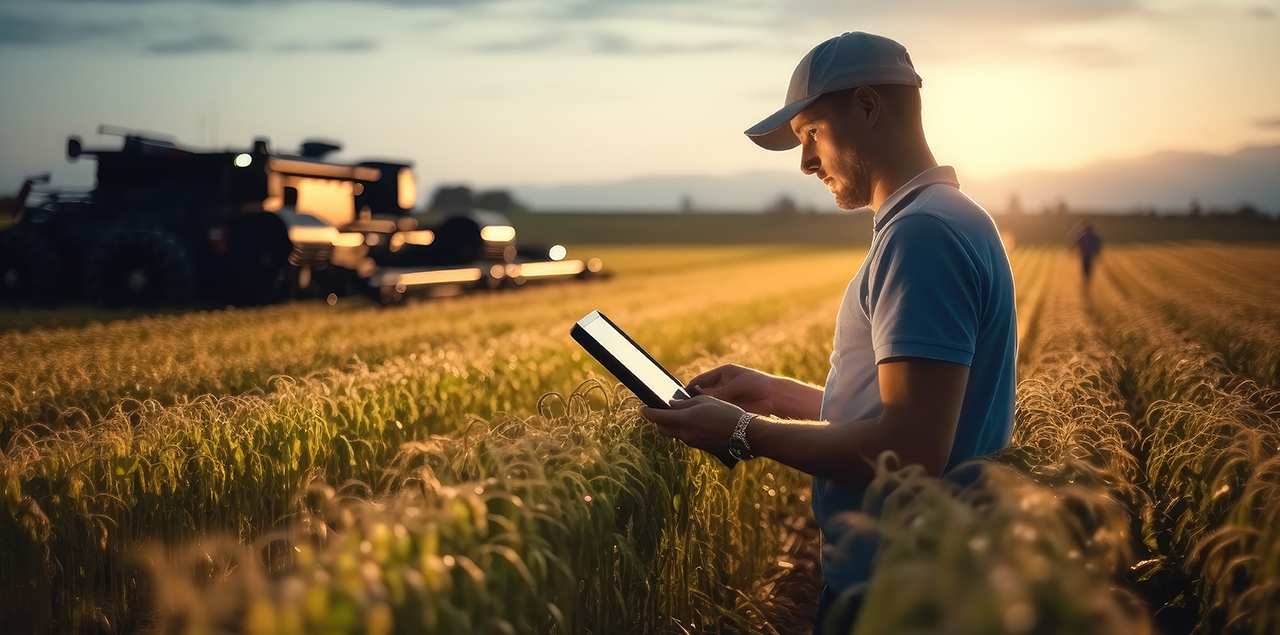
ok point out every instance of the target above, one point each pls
(421, 237)
(348, 239)
(244, 160)
(498, 233)
(408, 194)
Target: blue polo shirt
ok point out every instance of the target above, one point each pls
(936, 284)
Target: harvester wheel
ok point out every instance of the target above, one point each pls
(458, 241)
(258, 266)
(30, 272)
(139, 268)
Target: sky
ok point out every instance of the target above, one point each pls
(498, 93)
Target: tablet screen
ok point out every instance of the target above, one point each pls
(631, 356)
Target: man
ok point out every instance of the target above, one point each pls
(1086, 239)
(925, 342)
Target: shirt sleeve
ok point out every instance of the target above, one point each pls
(923, 292)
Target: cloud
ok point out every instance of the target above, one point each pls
(55, 30)
(207, 42)
(248, 3)
(44, 31)
(603, 43)
(358, 45)
(754, 12)
(707, 11)
(1051, 11)
(351, 46)
(527, 45)
(985, 13)
(177, 38)
(1269, 123)
(613, 44)
(772, 15)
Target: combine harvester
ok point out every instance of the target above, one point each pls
(168, 226)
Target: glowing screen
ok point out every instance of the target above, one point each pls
(630, 355)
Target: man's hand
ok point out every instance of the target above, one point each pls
(703, 422)
(744, 387)
(760, 393)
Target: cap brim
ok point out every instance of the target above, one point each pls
(774, 133)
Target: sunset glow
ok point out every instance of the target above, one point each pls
(507, 93)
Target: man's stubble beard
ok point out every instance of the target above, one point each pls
(858, 191)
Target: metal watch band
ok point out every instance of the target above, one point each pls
(738, 446)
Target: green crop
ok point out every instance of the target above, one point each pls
(442, 467)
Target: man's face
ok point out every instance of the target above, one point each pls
(826, 150)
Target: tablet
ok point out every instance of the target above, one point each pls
(632, 365)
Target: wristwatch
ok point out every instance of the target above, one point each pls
(738, 446)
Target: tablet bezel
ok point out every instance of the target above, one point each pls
(619, 369)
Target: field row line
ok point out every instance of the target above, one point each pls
(1207, 441)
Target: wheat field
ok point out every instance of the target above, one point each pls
(460, 466)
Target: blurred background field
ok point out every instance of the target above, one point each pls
(841, 229)
(441, 466)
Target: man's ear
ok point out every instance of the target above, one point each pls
(866, 104)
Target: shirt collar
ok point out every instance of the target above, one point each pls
(939, 174)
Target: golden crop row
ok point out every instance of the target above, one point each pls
(1210, 428)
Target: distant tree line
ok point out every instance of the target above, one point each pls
(1244, 213)
(785, 205)
(451, 197)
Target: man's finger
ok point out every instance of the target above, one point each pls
(714, 391)
(730, 392)
(665, 427)
(710, 378)
(681, 404)
(662, 416)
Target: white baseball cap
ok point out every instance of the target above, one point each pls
(850, 60)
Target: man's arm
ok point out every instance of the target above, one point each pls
(922, 400)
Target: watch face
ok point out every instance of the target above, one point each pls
(735, 450)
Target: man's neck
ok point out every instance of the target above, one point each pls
(897, 172)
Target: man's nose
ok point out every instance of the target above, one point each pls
(809, 162)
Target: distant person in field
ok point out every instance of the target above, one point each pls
(925, 340)
(1086, 239)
